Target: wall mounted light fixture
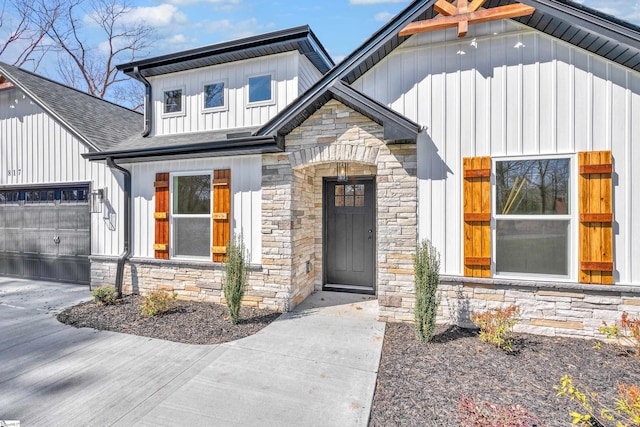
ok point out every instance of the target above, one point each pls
(342, 172)
(97, 199)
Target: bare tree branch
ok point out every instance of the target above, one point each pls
(28, 23)
(95, 66)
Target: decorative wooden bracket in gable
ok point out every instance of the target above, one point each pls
(461, 13)
(4, 84)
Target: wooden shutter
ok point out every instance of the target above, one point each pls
(596, 217)
(161, 216)
(221, 215)
(477, 216)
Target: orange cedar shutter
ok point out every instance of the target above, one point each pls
(221, 215)
(596, 217)
(161, 216)
(477, 216)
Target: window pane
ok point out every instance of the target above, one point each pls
(532, 246)
(532, 187)
(339, 190)
(214, 95)
(191, 194)
(339, 201)
(192, 236)
(173, 101)
(260, 88)
(359, 200)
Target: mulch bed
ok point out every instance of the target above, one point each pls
(421, 384)
(187, 322)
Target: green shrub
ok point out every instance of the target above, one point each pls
(157, 302)
(104, 295)
(625, 411)
(426, 264)
(496, 327)
(474, 413)
(235, 276)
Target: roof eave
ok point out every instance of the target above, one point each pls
(583, 17)
(248, 145)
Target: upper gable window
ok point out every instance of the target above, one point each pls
(215, 97)
(173, 101)
(260, 89)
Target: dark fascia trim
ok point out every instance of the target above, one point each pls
(253, 144)
(229, 46)
(590, 19)
(397, 126)
(354, 59)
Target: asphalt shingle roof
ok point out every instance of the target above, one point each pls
(99, 124)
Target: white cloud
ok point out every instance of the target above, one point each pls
(375, 1)
(383, 16)
(220, 4)
(233, 30)
(156, 16)
(178, 39)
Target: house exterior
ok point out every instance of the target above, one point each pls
(47, 229)
(511, 149)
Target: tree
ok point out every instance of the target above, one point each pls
(93, 68)
(26, 24)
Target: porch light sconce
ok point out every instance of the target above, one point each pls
(97, 199)
(342, 172)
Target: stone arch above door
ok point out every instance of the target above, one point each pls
(345, 152)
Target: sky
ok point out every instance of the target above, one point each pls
(341, 25)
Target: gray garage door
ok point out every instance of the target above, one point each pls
(45, 234)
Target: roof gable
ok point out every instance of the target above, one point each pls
(97, 123)
(301, 39)
(586, 28)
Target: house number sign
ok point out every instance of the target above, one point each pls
(14, 172)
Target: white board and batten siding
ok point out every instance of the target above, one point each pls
(35, 149)
(308, 74)
(246, 198)
(238, 113)
(508, 90)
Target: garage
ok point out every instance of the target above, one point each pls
(45, 233)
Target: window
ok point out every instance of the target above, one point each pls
(214, 96)
(260, 89)
(533, 216)
(173, 101)
(191, 215)
(349, 195)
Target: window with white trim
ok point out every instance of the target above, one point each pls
(191, 215)
(261, 89)
(215, 97)
(533, 216)
(173, 101)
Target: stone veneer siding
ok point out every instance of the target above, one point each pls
(292, 199)
(546, 308)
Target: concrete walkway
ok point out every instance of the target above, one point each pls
(314, 366)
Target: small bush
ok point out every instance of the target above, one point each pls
(234, 281)
(157, 302)
(474, 413)
(625, 410)
(626, 333)
(496, 327)
(426, 264)
(104, 295)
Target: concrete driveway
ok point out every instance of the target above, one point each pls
(314, 366)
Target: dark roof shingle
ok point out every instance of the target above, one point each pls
(99, 124)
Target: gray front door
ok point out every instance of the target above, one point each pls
(349, 234)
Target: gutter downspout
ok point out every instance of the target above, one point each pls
(127, 224)
(147, 102)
